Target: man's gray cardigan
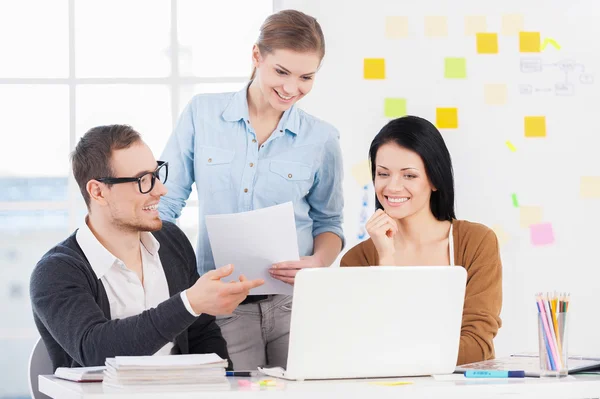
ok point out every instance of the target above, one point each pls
(72, 312)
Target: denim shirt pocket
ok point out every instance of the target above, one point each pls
(215, 164)
(289, 181)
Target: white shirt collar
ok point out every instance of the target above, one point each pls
(100, 258)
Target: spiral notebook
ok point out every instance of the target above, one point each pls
(530, 363)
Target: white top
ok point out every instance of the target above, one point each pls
(126, 294)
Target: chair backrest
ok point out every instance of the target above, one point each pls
(39, 364)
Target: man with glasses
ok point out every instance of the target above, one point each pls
(125, 283)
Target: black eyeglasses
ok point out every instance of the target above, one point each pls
(145, 181)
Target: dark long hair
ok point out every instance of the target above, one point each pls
(421, 136)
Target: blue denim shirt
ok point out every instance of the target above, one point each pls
(214, 145)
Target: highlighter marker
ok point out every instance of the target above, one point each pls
(494, 374)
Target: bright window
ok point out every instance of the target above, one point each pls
(68, 66)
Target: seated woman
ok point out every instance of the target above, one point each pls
(415, 225)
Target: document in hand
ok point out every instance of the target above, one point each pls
(198, 369)
(253, 241)
(81, 374)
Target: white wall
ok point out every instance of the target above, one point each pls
(544, 172)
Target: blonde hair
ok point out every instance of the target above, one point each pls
(291, 30)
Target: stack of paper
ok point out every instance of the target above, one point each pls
(205, 370)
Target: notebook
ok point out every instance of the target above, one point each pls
(529, 363)
(81, 374)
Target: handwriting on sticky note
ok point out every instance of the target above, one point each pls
(589, 187)
(446, 118)
(530, 215)
(535, 126)
(541, 234)
(495, 94)
(374, 68)
(512, 24)
(455, 68)
(475, 24)
(436, 26)
(487, 43)
(529, 42)
(394, 107)
(396, 27)
(362, 172)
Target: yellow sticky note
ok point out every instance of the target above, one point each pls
(529, 42)
(475, 24)
(487, 43)
(495, 94)
(530, 215)
(501, 234)
(590, 187)
(512, 24)
(535, 126)
(394, 107)
(396, 27)
(436, 26)
(362, 172)
(446, 118)
(374, 68)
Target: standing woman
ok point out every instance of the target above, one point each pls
(253, 149)
(415, 225)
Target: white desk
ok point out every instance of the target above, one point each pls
(576, 387)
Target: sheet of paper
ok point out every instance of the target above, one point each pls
(179, 360)
(253, 241)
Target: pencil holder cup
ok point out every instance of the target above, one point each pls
(553, 344)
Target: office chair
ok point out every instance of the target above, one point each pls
(39, 364)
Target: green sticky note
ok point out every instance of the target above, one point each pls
(455, 68)
(395, 107)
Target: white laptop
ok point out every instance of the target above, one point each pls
(362, 322)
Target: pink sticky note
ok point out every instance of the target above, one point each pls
(244, 383)
(541, 234)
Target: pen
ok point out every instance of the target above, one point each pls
(494, 374)
(241, 373)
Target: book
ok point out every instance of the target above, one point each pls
(530, 363)
(81, 374)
